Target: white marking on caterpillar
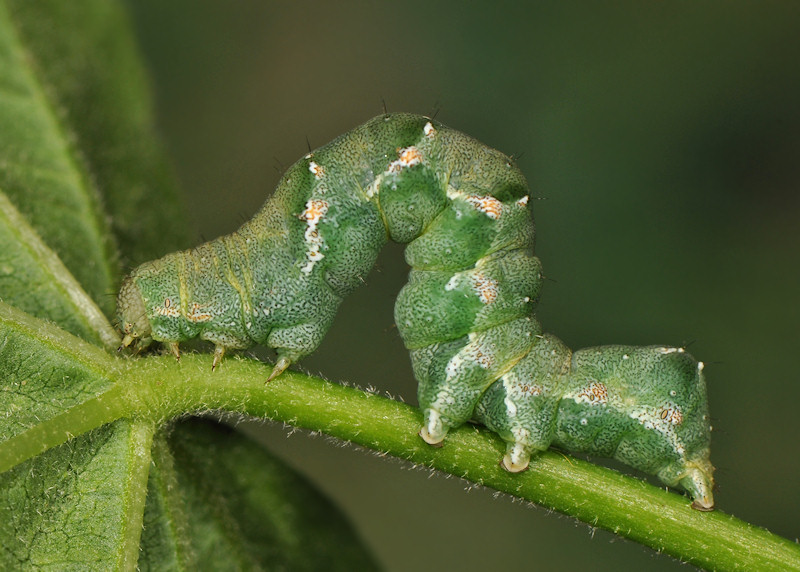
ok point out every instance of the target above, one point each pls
(453, 282)
(670, 350)
(374, 187)
(453, 193)
(662, 419)
(316, 169)
(453, 366)
(510, 407)
(523, 201)
(315, 211)
(444, 397)
(429, 130)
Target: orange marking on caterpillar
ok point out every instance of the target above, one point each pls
(479, 356)
(531, 389)
(167, 309)
(407, 157)
(489, 206)
(195, 315)
(315, 210)
(485, 287)
(595, 393)
(672, 415)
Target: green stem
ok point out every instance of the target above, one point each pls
(593, 494)
(158, 388)
(135, 495)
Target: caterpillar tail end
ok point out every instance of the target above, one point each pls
(280, 366)
(433, 431)
(700, 482)
(516, 459)
(697, 479)
(704, 504)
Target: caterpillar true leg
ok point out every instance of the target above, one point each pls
(280, 366)
(127, 340)
(219, 353)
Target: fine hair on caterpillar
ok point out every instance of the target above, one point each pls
(466, 314)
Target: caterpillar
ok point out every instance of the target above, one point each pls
(466, 314)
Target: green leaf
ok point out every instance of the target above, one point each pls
(215, 499)
(78, 155)
(76, 143)
(46, 375)
(78, 506)
(166, 537)
(41, 170)
(245, 508)
(34, 279)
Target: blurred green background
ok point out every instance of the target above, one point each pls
(664, 142)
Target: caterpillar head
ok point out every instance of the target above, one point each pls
(132, 316)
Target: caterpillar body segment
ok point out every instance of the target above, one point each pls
(466, 314)
(645, 406)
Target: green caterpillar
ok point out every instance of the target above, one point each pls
(466, 315)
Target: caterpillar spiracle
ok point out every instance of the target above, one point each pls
(466, 314)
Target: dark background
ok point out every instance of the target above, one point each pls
(664, 142)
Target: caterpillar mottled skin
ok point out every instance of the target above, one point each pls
(466, 315)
